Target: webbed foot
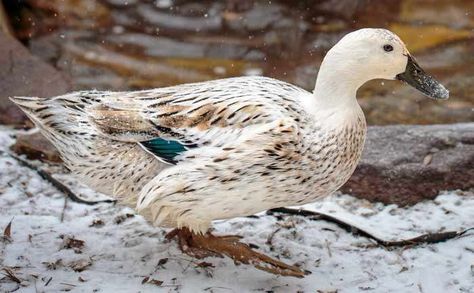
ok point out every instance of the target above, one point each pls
(201, 246)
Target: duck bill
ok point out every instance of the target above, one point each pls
(415, 76)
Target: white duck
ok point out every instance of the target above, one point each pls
(190, 154)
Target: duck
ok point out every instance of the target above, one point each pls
(184, 156)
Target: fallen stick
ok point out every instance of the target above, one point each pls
(422, 239)
(56, 183)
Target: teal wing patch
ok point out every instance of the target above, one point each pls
(165, 150)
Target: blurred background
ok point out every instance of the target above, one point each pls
(136, 44)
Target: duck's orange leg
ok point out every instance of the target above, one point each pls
(201, 246)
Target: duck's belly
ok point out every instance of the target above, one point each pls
(324, 171)
(279, 190)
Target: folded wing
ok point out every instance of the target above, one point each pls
(169, 121)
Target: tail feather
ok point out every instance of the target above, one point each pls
(55, 112)
(28, 103)
(31, 106)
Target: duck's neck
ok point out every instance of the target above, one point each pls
(337, 83)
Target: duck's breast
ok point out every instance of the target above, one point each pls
(335, 147)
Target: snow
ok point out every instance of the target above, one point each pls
(120, 249)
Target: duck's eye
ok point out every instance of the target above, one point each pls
(388, 48)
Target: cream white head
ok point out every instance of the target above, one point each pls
(368, 54)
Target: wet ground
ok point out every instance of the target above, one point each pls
(135, 44)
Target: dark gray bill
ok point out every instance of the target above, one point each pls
(417, 78)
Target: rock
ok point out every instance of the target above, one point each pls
(155, 46)
(122, 3)
(428, 36)
(236, 6)
(260, 17)
(345, 8)
(407, 164)
(159, 46)
(22, 74)
(179, 22)
(36, 147)
(86, 14)
(139, 72)
(456, 14)
(282, 30)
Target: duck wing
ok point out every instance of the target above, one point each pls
(166, 122)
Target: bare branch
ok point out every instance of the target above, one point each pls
(57, 184)
(422, 239)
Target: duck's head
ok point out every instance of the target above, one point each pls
(368, 54)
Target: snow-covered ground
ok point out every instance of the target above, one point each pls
(105, 248)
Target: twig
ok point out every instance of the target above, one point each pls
(269, 241)
(57, 184)
(49, 281)
(63, 212)
(11, 275)
(328, 248)
(217, 287)
(422, 239)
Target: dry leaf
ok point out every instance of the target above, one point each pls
(152, 281)
(97, 223)
(80, 265)
(120, 219)
(53, 265)
(69, 242)
(7, 232)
